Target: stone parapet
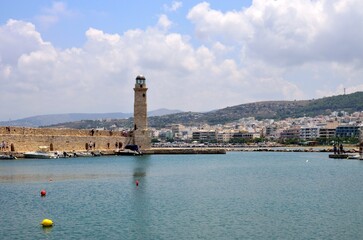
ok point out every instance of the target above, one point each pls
(58, 132)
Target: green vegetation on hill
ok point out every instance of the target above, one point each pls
(267, 110)
(260, 110)
(348, 103)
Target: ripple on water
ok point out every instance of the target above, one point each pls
(232, 196)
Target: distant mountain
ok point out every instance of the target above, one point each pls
(162, 112)
(52, 119)
(260, 110)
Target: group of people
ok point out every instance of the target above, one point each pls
(338, 149)
(4, 146)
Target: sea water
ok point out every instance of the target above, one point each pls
(240, 195)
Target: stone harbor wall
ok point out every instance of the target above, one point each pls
(22, 139)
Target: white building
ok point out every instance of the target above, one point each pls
(309, 133)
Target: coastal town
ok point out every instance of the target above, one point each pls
(336, 128)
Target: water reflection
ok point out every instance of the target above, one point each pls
(47, 230)
(140, 200)
(141, 167)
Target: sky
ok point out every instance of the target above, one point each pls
(83, 56)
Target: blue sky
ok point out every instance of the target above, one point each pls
(68, 20)
(83, 56)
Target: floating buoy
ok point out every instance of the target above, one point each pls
(47, 223)
(43, 193)
(137, 183)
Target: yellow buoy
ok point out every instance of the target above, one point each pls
(47, 223)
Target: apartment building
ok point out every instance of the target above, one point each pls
(291, 133)
(204, 135)
(309, 133)
(327, 133)
(348, 131)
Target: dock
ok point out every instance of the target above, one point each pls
(339, 156)
(346, 156)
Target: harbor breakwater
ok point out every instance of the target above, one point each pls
(21, 139)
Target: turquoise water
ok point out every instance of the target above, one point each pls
(244, 195)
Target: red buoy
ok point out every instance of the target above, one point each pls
(43, 193)
(137, 183)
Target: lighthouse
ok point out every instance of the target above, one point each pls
(141, 133)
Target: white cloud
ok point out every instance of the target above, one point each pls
(212, 24)
(273, 50)
(52, 15)
(287, 32)
(17, 38)
(164, 23)
(289, 36)
(175, 5)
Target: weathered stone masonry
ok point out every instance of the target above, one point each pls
(141, 132)
(21, 139)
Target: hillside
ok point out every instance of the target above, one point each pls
(260, 110)
(54, 119)
(267, 110)
(43, 120)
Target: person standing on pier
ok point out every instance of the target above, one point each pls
(341, 149)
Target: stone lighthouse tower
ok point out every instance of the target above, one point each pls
(141, 133)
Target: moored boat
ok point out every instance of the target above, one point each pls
(127, 152)
(130, 150)
(357, 156)
(40, 154)
(7, 157)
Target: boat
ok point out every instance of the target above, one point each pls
(41, 153)
(357, 156)
(64, 154)
(7, 157)
(129, 150)
(83, 154)
(87, 154)
(96, 153)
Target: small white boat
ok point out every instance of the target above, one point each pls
(42, 153)
(357, 156)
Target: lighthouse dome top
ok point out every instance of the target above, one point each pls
(140, 80)
(140, 77)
